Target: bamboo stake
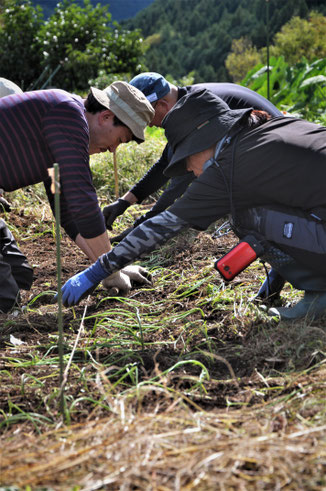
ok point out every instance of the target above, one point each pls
(55, 189)
(116, 179)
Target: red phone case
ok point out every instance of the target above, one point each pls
(238, 258)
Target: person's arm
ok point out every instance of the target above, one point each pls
(205, 201)
(153, 180)
(177, 186)
(95, 247)
(140, 241)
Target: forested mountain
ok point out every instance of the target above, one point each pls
(119, 9)
(196, 35)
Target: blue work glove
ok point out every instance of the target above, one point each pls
(82, 284)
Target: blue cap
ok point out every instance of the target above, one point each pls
(153, 85)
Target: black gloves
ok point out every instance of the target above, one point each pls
(4, 205)
(111, 212)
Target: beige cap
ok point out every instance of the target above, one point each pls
(128, 104)
(7, 87)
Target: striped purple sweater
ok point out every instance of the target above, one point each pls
(38, 129)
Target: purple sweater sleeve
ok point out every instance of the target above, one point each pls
(67, 138)
(38, 129)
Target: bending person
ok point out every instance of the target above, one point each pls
(40, 128)
(163, 97)
(250, 166)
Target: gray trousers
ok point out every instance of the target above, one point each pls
(296, 243)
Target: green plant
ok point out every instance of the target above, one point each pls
(299, 89)
(20, 48)
(82, 41)
(68, 49)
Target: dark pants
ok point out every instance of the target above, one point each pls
(15, 272)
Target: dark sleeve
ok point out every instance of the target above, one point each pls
(239, 97)
(142, 240)
(177, 186)
(205, 201)
(154, 178)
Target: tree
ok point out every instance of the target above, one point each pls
(242, 58)
(20, 51)
(81, 42)
(73, 45)
(302, 38)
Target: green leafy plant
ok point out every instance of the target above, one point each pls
(75, 44)
(20, 48)
(298, 89)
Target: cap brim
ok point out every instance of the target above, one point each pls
(195, 142)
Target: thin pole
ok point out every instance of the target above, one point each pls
(116, 179)
(51, 77)
(267, 46)
(57, 238)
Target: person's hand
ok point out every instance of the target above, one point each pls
(4, 203)
(138, 274)
(75, 289)
(117, 284)
(121, 236)
(121, 282)
(111, 212)
(82, 284)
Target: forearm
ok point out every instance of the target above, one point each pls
(130, 197)
(142, 240)
(95, 247)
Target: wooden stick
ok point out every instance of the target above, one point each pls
(116, 179)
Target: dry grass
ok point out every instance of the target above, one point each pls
(276, 445)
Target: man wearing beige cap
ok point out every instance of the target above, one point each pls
(40, 128)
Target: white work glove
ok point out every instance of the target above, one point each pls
(120, 282)
(138, 274)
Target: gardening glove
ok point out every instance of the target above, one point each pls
(82, 284)
(121, 282)
(138, 274)
(111, 212)
(118, 238)
(117, 283)
(4, 205)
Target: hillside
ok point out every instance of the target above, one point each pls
(119, 9)
(187, 35)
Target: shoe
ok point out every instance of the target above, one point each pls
(312, 306)
(271, 288)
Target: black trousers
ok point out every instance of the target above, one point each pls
(15, 272)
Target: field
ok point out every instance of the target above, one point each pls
(184, 385)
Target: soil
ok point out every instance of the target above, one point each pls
(238, 348)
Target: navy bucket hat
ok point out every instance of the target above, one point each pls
(197, 121)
